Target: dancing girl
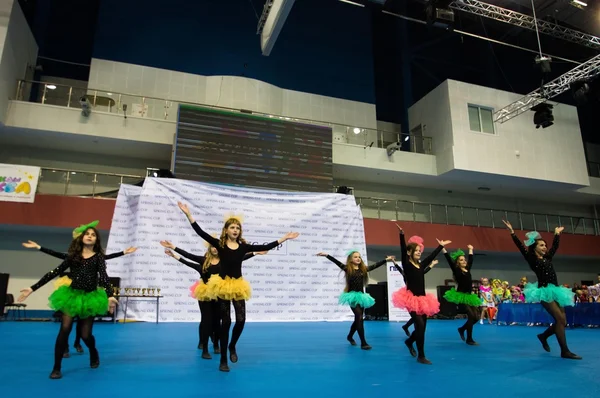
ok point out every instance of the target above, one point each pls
(230, 286)
(546, 290)
(206, 266)
(65, 277)
(463, 293)
(89, 295)
(413, 297)
(357, 276)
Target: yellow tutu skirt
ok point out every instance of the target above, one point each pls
(228, 288)
(199, 291)
(63, 281)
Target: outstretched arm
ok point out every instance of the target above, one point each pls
(449, 259)
(404, 255)
(51, 275)
(380, 263)
(194, 266)
(470, 258)
(555, 241)
(129, 250)
(341, 265)
(518, 243)
(398, 268)
(429, 259)
(33, 245)
(272, 245)
(210, 239)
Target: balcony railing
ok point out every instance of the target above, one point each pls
(402, 210)
(106, 185)
(165, 109)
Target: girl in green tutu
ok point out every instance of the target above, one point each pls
(463, 293)
(546, 290)
(354, 294)
(88, 295)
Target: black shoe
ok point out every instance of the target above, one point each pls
(206, 355)
(406, 330)
(232, 355)
(365, 347)
(67, 354)
(351, 340)
(94, 359)
(56, 374)
(461, 331)
(570, 355)
(410, 348)
(78, 348)
(544, 342)
(200, 346)
(424, 361)
(223, 367)
(472, 342)
(216, 349)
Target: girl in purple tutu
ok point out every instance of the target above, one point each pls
(413, 297)
(546, 290)
(463, 293)
(354, 294)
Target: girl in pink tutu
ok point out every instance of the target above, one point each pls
(413, 297)
(354, 294)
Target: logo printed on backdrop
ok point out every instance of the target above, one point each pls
(290, 270)
(395, 282)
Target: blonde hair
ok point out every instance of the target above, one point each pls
(230, 221)
(362, 268)
(208, 257)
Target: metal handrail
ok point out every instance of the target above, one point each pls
(68, 187)
(381, 140)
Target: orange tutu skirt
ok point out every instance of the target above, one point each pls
(228, 288)
(199, 291)
(422, 305)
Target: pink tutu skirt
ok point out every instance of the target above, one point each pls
(422, 305)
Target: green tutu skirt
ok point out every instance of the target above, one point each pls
(353, 299)
(77, 303)
(469, 299)
(562, 295)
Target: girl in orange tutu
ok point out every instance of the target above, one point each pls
(229, 286)
(413, 297)
(206, 266)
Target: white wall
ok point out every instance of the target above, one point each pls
(552, 154)
(19, 51)
(432, 112)
(225, 91)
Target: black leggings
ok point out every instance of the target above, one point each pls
(240, 320)
(559, 325)
(62, 340)
(358, 325)
(472, 318)
(210, 322)
(418, 335)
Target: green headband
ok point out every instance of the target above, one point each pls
(82, 228)
(456, 254)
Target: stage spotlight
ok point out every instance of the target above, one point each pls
(543, 115)
(439, 14)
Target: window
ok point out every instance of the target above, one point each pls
(480, 119)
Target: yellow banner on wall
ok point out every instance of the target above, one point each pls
(18, 183)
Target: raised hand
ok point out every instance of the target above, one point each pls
(322, 254)
(130, 250)
(261, 253)
(31, 245)
(470, 247)
(399, 227)
(24, 294)
(390, 258)
(290, 235)
(167, 244)
(168, 252)
(509, 226)
(433, 263)
(443, 242)
(558, 230)
(184, 208)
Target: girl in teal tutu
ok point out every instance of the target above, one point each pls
(88, 295)
(546, 290)
(463, 293)
(354, 294)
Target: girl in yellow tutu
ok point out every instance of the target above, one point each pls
(229, 286)
(65, 277)
(206, 266)
(354, 294)
(89, 294)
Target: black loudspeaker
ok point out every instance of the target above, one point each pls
(3, 292)
(447, 309)
(380, 309)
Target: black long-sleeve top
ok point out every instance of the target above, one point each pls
(543, 268)
(213, 269)
(231, 260)
(464, 280)
(86, 274)
(415, 277)
(63, 256)
(356, 281)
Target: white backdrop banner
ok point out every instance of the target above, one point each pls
(290, 283)
(18, 183)
(395, 282)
